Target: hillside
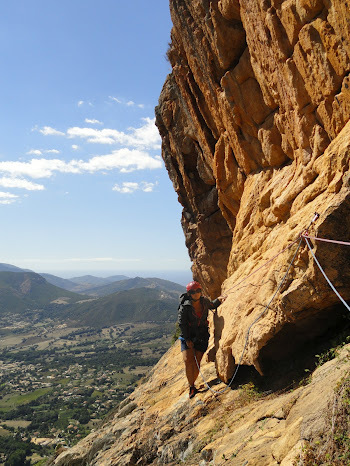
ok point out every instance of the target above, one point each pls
(11, 268)
(137, 282)
(60, 282)
(20, 291)
(133, 305)
(140, 300)
(90, 280)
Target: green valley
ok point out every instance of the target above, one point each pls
(58, 382)
(68, 359)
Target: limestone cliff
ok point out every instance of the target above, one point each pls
(254, 124)
(254, 120)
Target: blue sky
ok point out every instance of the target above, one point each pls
(82, 184)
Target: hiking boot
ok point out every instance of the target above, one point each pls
(193, 391)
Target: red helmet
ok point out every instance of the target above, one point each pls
(193, 286)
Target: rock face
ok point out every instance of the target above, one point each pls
(254, 124)
(159, 425)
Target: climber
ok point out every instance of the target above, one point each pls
(193, 323)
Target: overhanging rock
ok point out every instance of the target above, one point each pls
(254, 124)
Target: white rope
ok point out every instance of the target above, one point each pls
(325, 276)
(251, 325)
(316, 238)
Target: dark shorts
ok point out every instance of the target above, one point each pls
(201, 345)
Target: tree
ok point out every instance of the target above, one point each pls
(83, 417)
(18, 458)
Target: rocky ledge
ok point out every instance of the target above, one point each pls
(158, 424)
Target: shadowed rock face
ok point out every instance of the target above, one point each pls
(254, 124)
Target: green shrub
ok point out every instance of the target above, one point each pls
(176, 334)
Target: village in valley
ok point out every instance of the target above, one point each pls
(57, 382)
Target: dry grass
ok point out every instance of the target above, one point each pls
(334, 448)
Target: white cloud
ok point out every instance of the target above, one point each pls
(146, 136)
(21, 184)
(93, 122)
(7, 198)
(125, 160)
(131, 187)
(129, 103)
(148, 187)
(84, 102)
(7, 201)
(126, 188)
(91, 259)
(104, 136)
(34, 152)
(35, 168)
(40, 152)
(52, 151)
(48, 131)
(115, 99)
(7, 195)
(75, 147)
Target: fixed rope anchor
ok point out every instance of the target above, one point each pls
(249, 329)
(300, 238)
(326, 240)
(325, 276)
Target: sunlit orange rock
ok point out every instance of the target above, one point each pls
(254, 123)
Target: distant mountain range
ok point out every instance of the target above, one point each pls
(81, 284)
(110, 300)
(134, 305)
(12, 268)
(60, 282)
(97, 281)
(20, 291)
(137, 282)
